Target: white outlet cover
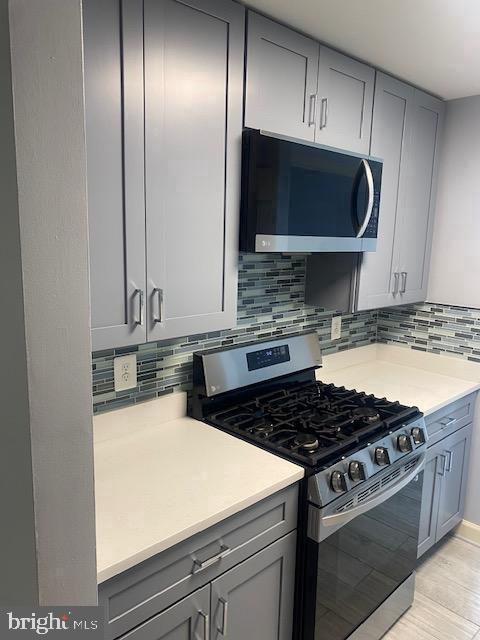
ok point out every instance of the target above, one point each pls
(336, 332)
(125, 372)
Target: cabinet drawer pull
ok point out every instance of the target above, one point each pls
(448, 422)
(159, 295)
(324, 113)
(223, 630)
(199, 565)
(441, 470)
(206, 625)
(404, 281)
(396, 279)
(448, 467)
(312, 108)
(141, 303)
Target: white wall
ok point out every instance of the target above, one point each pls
(47, 60)
(17, 530)
(455, 262)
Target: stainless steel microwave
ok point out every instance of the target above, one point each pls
(303, 197)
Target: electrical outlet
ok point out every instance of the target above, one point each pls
(125, 372)
(336, 332)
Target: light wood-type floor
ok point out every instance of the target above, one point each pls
(447, 599)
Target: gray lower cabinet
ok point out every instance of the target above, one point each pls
(255, 599)
(164, 98)
(299, 88)
(246, 562)
(189, 619)
(444, 486)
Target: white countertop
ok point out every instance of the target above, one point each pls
(414, 378)
(161, 478)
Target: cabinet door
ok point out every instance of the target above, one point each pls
(430, 498)
(189, 619)
(113, 32)
(393, 102)
(345, 101)
(418, 196)
(255, 599)
(193, 125)
(281, 79)
(456, 450)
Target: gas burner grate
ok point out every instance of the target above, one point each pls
(310, 422)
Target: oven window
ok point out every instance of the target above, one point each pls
(361, 564)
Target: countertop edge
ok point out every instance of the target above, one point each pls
(168, 543)
(458, 396)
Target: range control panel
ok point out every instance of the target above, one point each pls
(267, 357)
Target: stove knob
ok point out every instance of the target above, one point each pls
(357, 471)
(338, 481)
(381, 456)
(404, 443)
(418, 435)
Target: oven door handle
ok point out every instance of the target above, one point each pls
(339, 519)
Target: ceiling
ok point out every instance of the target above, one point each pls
(434, 44)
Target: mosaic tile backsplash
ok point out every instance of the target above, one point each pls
(270, 302)
(452, 331)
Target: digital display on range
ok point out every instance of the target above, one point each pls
(267, 357)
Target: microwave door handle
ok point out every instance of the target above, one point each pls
(368, 215)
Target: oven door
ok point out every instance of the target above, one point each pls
(359, 554)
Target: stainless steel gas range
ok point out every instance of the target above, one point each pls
(360, 500)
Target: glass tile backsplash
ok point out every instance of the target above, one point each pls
(270, 302)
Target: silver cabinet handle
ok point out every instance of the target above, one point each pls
(441, 470)
(206, 625)
(223, 630)
(404, 282)
(448, 422)
(396, 280)
(141, 303)
(159, 317)
(201, 565)
(312, 108)
(324, 113)
(448, 467)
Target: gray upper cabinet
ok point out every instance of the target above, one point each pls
(189, 619)
(297, 88)
(113, 35)
(406, 131)
(345, 102)
(263, 584)
(393, 101)
(281, 79)
(163, 82)
(193, 124)
(418, 198)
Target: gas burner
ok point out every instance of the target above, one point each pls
(306, 441)
(366, 414)
(263, 429)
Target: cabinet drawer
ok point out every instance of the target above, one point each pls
(449, 419)
(143, 591)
